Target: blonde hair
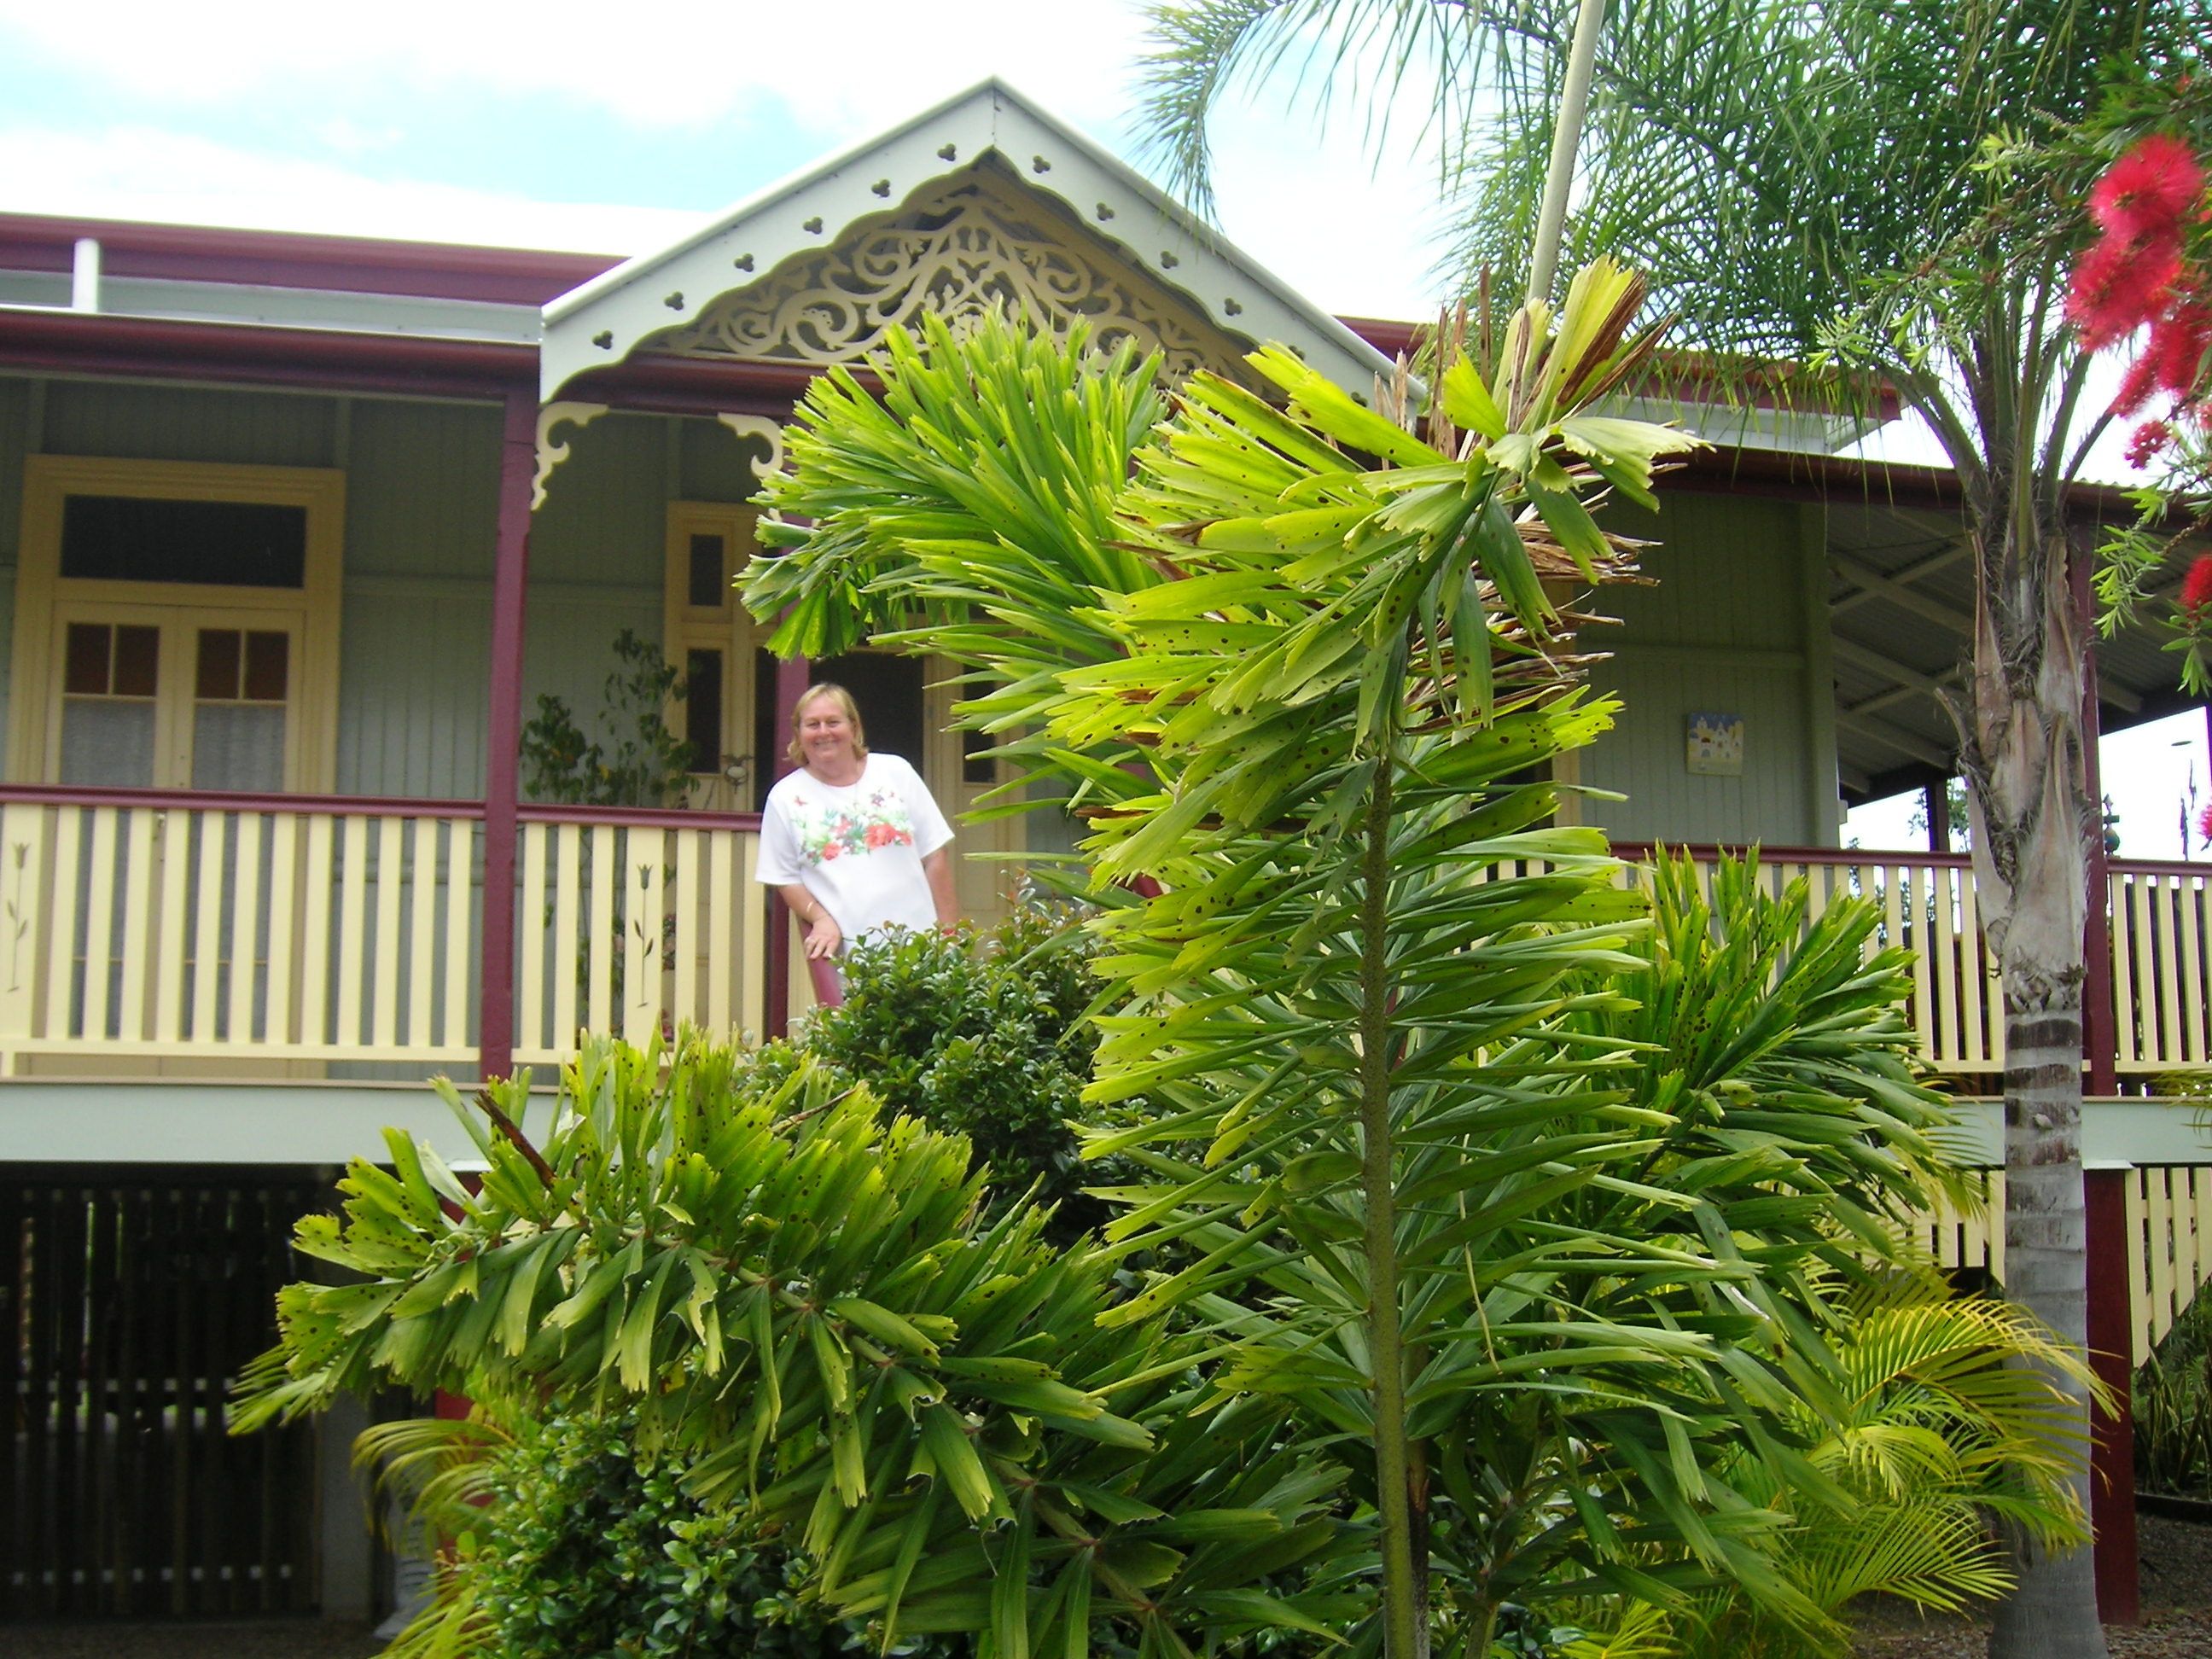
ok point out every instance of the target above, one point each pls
(837, 694)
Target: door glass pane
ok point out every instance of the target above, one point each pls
(218, 670)
(138, 659)
(85, 670)
(268, 666)
(707, 590)
(702, 709)
(237, 714)
(107, 743)
(238, 745)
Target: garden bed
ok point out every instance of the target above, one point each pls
(2177, 1606)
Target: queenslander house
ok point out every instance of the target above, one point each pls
(296, 532)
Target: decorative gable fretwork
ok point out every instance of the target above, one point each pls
(975, 243)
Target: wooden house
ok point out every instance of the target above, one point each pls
(293, 532)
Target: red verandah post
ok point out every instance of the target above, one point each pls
(2112, 1346)
(518, 466)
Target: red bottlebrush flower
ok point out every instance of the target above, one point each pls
(2136, 386)
(2149, 438)
(2177, 340)
(2146, 191)
(2204, 826)
(2197, 589)
(2119, 286)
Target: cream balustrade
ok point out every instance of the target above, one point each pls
(275, 936)
(2169, 1219)
(1926, 902)
(145, 928)
(633, 923)
(2160, 981)
(2161, 967)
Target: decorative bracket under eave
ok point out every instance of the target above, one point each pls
(768, 431)
(551, 454)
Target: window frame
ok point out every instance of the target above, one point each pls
(46, 601)
(727, 628)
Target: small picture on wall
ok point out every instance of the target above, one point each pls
(1716, 745)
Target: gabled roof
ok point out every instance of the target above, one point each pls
(608, 317)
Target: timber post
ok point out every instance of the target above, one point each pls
(2112, 1346)
(518, 465)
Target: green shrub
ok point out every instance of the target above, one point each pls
(2172, 1407)
(979, 1033)
(589, 1547)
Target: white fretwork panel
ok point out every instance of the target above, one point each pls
(967, 246)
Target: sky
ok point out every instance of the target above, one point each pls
(615, 129)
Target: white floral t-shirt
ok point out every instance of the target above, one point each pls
(858, 848)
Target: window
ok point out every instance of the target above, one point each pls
(110, 678)
(181, 620)
(708, 635)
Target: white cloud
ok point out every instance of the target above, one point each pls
(843, 70)
(1314, 216)
(141, 173)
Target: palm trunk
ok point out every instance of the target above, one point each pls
(2022, 754)
(1405, 1628)
(2053, 1613)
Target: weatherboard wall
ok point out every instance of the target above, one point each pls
(421, 497)
(1730, 626)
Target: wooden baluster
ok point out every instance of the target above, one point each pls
(460, 905)
(688, 894)
(2128, 1030)
(644, 858)
(569, 909)
(99, 925)
(353, 948)
(173, 951)
(601, 941)
(385, 1015)
(729, 954)
(245, 926)
(285, 831)
(1981, 998)
(531, 1035)
(24, 849)
(2140, 1334)
(1996, 1186)
(2189, 1048)
(139, 909)
(207, 926)
(2158, 1213)
(2167, 909)
(317, 888)
(422, 927)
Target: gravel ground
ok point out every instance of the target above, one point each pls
(2177, 1606)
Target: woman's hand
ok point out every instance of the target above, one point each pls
(824, 936)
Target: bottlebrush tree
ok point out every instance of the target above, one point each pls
(2145, 279)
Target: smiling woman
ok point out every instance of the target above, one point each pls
(853, 841)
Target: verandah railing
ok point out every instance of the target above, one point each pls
(280, 934)
(2167, 1241)
(302, 931)
(2160, 979)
